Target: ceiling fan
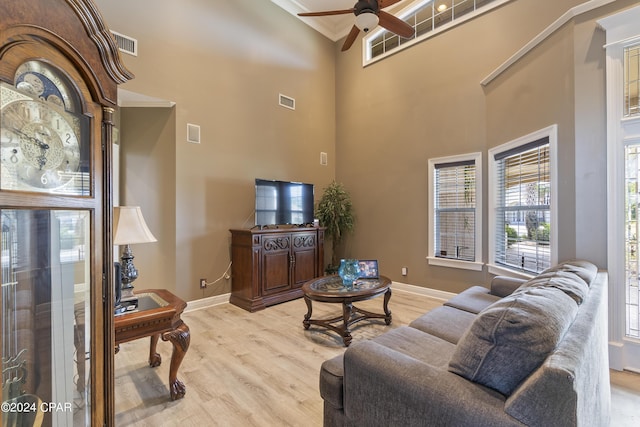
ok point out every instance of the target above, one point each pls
(368, 14)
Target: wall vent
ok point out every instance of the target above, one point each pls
(323, 158)
(193, 133)
(287, 102)
(126, 44)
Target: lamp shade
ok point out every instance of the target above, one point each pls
(366, 21)
(130, 227)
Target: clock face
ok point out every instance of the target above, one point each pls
(40, 81)
(42, 145)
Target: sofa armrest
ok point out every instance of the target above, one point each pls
(503, 285)
(384, 387)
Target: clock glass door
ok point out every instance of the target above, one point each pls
(45, 258)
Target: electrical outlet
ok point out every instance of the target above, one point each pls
(203, 283)
(404, 271)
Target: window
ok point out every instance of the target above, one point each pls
(427, 17)
(631, 80)
(632, 239)
(522, 204)
(455, 223)
(623, 149)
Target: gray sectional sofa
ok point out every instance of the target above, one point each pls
(521, 353)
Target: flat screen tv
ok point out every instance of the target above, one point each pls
(283, 202)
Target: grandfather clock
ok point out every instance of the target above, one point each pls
(59, 71)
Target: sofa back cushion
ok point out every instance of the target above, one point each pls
(571, 277)
(512, 337)
(567, 282)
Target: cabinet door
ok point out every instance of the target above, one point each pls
(276, 261)
(304, 258)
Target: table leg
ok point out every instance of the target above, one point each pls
(347, 309)
(180, 338)
(387, 297)
(307, 316)
(154, 357)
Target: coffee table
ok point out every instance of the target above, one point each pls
(330, 289)
(157, 316)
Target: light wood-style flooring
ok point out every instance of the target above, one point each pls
(262, 369)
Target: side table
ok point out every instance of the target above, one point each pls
(157, 315)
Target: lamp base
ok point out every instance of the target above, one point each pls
(127, 292)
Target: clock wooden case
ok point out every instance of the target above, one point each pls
(59, 71)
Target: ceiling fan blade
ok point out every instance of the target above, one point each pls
(395, 25)
(328, 12)
(353, 34)
(386, 3)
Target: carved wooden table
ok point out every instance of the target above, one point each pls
(330, 289)
(157, 315)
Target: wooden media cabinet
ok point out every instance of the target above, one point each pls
(269, 266)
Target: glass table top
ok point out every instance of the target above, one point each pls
(333, 284)
(145, 301)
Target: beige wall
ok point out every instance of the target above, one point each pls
(224, 63)
(427, 101)
(148, 174)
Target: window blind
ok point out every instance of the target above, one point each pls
(455, 210)
(523, 207)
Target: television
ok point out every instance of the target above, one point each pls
(283, 202)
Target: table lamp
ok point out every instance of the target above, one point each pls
(130, 229)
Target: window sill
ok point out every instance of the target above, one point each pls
(454, 263)
(504, 271)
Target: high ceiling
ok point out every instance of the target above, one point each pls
(333, 27)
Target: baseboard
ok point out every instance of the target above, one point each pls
(428, 292)
(199, 304)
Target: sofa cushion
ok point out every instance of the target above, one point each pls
(418, 345)
(583, 269)
(445, 322)
(512, 337)
(473, 300)
(411, 342)
(503, 285)
(571, 277)
(567, 282)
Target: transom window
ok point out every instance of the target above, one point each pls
(427, 17)
(454, 219)
(632, 81)
(523, 187)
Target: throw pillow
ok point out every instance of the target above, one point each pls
(512, 337)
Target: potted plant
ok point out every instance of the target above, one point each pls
(335, 212)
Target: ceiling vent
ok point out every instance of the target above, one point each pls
(287, 102)
(126, 44)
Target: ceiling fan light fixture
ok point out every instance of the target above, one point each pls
(366, 21)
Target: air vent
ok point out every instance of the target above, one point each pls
(193, 133)
(323, 158)
(126, 44)
(287, 102)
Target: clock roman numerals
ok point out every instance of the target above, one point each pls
(40, 144)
